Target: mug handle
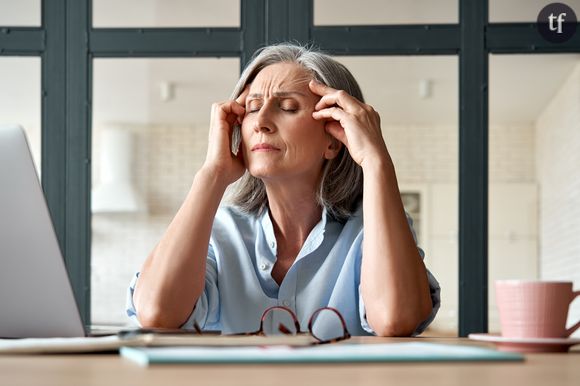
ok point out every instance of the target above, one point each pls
(570, 330)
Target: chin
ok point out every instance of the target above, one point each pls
(261, 174)
(262, 171)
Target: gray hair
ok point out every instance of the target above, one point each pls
(341, 184)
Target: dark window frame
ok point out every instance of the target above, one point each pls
(67, 43)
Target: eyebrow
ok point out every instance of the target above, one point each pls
(277, 94)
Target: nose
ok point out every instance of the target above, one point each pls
(262, 128)
(264, 121)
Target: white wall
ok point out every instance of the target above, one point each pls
(558, 139)
(20, 13)
(166, 13)
(20, 97)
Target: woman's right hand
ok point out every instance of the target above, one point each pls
(220, 159)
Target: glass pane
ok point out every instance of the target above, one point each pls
(20, 99)
(166, 13)
(523, 10)
(534, 147)
(417, 98)
(364, 12)
(150, 127)
(20, 13)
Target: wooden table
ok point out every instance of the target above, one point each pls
(110, 369)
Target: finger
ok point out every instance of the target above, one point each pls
(319, 88)
(328, 100)
(232, 119)
(241, 99)
(335, 113)
(229, 112)
(339, 98)
(232, 107)
(337, 131)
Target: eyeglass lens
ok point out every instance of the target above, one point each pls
(326, 325)
(278, 321)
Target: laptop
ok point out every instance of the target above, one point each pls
(36, 297)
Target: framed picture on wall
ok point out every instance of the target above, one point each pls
(414, 197)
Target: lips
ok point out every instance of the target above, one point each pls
(264, 147)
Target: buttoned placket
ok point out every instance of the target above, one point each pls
(287, 289)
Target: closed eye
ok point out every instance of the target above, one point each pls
(286, 105)
(253, 107)
(289, 106)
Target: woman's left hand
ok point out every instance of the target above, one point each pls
(354, 123)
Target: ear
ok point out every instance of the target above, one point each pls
(333, 148)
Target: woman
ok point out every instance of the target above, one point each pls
(313, 170)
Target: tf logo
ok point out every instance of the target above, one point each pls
(557, 22)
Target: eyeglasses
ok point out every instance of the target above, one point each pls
(326, 324)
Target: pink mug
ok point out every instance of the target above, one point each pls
(535, 309)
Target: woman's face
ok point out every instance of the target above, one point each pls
(280, 138)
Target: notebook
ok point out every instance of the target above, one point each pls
(332, 353)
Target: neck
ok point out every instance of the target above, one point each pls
(294, 212)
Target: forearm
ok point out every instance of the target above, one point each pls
(172, 278)
(394, 282)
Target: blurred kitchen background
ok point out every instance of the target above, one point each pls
(150, 122)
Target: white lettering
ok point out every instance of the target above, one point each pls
(559, 20)
(551, 19)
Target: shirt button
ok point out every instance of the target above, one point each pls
(263, 266)
(273, 244)
(285, 303)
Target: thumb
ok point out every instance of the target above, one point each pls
(337, 131)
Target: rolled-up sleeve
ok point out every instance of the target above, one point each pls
(130, 305)
(435, 290)
(206, 310)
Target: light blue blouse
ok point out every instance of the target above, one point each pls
(239, 285)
